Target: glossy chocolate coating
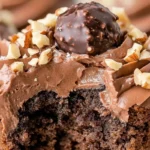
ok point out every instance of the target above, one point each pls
(88, 28)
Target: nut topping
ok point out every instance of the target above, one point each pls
(13, 51)
(21, 39)
(113, 64)
(142, 79)
(37, 26)
(33, 62)
(32, 51)
(39, 39)
(137, 35)
(49, 20)
(133, 54)
(45, 57)
(25, 56)
(123, 21)
(61, 11)
(147, 44)
(17, 66)
(145, 54)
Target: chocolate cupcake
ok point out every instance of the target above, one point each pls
(79, 94)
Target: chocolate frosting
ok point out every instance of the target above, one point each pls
(65, 73)
(88, 28)
(122, 91)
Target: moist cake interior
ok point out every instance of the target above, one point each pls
(79, 122)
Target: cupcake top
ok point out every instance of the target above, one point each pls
(41, 57)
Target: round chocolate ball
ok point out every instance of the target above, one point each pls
(88, 28)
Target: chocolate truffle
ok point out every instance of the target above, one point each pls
(88, 28)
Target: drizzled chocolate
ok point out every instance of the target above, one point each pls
(88, 28)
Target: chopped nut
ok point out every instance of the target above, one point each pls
(142, 79)
(33, 62)
(137, 77)
(24, 30)
(123, 21)
(49, 20)
(24, 56)
(21, 39)
(37, 26)
(45, 57)
(28, 39)
(133, 54)
(32, 51)
(13, 51)
(14, 38)
(147, 44)
(145, 54)
(35, 79)
(113, 64)
(137, 35)
(131, 27)
(39, 39)
(61, 11)
(17, 66)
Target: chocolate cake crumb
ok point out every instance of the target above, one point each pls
(47, 122)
